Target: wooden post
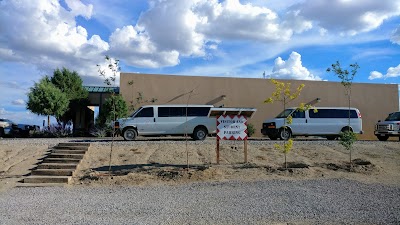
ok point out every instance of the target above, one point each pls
(217, 150)
(245, 151)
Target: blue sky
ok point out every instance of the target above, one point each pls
(291, 39)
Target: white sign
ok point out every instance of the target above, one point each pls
(231, 127)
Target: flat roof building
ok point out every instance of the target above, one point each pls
(374, 101)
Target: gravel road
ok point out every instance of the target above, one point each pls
(329, 201)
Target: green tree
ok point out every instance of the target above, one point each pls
(65, 86)
(284, 94)
(46, 99)
(114, 107)
(70, 83)
(347, 136)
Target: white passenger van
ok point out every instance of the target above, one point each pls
(326, 122)
(158, 120)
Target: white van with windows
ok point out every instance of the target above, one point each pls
(326, 122)
(159, 120)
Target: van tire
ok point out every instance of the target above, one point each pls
(346, 129)
(129, 134)
(199, 133)
(285, 134)
(383, 138)
(1, 132)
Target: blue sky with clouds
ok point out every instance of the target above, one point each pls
(291, 39)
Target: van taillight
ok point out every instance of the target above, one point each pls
(359, 115)
(116, 125)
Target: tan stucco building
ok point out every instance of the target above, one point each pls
(374, 101)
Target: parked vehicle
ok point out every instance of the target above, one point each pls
(198, 121)
(390, 127)
(158, 120)
(326, 122)
(6, 127)
(11, 129)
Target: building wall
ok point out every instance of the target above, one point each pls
(374, 101)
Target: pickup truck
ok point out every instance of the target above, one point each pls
(390, 127)
(10, 129)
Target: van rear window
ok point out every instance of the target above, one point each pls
(333, 113)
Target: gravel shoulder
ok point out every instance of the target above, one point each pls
(327, 201)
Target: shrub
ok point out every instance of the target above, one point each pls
(53, 131)
(250, 129)
(101, 131)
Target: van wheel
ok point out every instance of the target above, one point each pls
(383, 138)
(129, 134)
(346, 129)
(199, 133)
(1, 132)
(285, 134)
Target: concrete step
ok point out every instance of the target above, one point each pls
(56, 166)
(47, 179)
(61, 160)
(60, 151)
(74, 144)
(65, 156)
(52, 172)
(29, 185)
(71, 147)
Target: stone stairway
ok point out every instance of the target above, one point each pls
(58, 166)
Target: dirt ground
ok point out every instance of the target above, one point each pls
(169, 162)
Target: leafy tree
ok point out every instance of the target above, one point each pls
(70, 83)
(64, 85)
(347, 137)
(113, 65)
(114, 107)
(46, 99)
(285, 95)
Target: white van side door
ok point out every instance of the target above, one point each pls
(170, 120)
(145, 121)
(299, 123)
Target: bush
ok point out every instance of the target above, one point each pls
(250, 129)
(53, 131)
(101, 131)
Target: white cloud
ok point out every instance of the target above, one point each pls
(137, 49)
(395, 38)
(232, 20)
(391, 73)
(169, 30)
(48, 37)
(349, 17)
(375, 75)
(78, 8)
(292, 68)
(18, 102)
